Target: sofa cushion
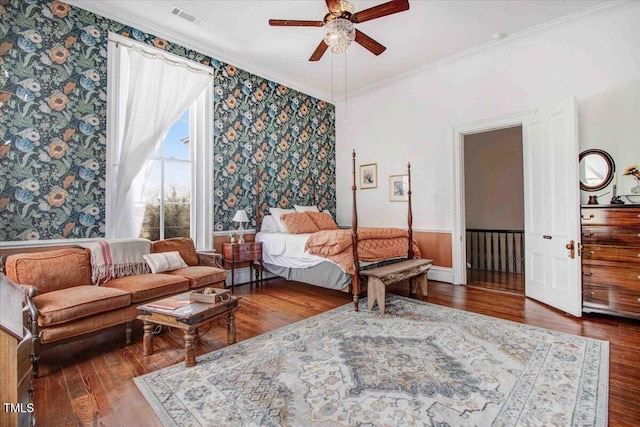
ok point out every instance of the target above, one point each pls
(88, 324)
(201, 275)
(50, 270)
(184, 245)
(64, 305)
(144, 287)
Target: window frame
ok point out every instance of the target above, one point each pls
(200, 135)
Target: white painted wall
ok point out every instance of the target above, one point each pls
(597, 59)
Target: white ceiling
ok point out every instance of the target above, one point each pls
(237, 31)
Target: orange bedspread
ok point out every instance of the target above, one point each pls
(374, 244)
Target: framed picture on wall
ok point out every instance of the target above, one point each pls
(398, 188)
(368, 176)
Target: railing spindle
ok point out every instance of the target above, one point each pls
(484, 253)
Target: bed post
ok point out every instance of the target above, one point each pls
(355, 280)
(410, 254)
(313, 192)
(258, 216)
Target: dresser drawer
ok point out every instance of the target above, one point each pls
(606, 235)
(242, 251)
(596, 254)
(610, 216)
(610, 298)
(625, 278)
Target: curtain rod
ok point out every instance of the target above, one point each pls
(162, 57)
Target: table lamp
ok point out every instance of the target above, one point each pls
(240, 217)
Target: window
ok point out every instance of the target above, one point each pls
(159, 157)
(166, 194)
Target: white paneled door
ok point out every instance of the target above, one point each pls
(552, 208)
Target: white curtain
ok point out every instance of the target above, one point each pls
(152, 95)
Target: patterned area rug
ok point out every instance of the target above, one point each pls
(420, 364)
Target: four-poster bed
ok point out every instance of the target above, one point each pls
(306, 245)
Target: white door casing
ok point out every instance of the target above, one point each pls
(552, 208)
(459, 132)
(552, 202)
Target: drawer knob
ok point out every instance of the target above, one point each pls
(591, 294)
(590, 273)
(592, 216)
(590, 254)
(591, 233)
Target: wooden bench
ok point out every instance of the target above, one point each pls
(380, 277)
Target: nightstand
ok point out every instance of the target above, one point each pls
(236, 253)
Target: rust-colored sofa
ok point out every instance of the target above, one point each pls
(64, 303)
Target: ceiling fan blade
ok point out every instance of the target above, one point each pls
(368, 43)
(294, 23)
(320, 50)
(381, 10)
(334, 6)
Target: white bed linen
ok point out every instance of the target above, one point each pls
(287, 250)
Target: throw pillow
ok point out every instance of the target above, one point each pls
(269, 225)
(184, 245)
(165, 261)
(276, 213)
(323, 221)
(299, 223)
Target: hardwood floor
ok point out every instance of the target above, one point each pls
(496, 280)
(89, 382)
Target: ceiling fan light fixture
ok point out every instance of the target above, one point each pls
(345, 6)
(340, 34)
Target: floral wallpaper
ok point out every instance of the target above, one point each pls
(281, 137)
(53, 61)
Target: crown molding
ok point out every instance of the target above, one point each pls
(101, 8)
(600, 9)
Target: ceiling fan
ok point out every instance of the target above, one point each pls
(340, 29)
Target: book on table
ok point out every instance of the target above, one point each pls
(170, 303)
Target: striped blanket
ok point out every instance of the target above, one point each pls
(115, 258)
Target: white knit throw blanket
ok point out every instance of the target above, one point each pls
(117, 258)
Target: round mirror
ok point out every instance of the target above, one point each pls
(596, 170)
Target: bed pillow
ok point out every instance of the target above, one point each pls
(323, 221)
(299, 208)
(164, 261)
(269, 225)
(277, 213)
(299, 223)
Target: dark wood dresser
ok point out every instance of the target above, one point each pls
(611, 259)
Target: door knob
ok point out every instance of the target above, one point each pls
(571, 246)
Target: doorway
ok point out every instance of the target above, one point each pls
(494, 209)
(551, 201)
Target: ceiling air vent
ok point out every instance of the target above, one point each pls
(186, 15)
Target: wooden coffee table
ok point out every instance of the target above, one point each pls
(189, 316)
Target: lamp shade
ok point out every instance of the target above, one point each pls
(240, 216)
